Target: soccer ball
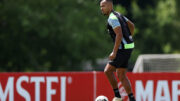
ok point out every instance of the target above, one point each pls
(101, 98)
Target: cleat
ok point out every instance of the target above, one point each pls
(117, 99)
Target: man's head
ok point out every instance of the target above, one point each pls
(106, 6)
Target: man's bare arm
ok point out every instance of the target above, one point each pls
(119, 35)
(131, 26)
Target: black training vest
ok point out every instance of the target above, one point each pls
(125, 30)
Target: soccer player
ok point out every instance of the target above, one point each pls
(120, 29)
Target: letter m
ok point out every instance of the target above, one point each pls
(144, 94)
(8, 89)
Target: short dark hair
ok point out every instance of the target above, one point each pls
(107, 0)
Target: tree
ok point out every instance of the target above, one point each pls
(49, 35)
(156, 31)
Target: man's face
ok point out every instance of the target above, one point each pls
(104, 7)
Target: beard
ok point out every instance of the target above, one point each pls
(103, 13)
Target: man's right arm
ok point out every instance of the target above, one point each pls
(131, 26)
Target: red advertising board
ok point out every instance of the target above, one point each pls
(61, 86)
(156, 86)
(85, 86)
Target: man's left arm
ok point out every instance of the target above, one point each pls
(118, 32)
(114, 22)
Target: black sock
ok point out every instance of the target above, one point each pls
(116, 93)
(131, 97)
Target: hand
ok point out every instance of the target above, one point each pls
(112, 56)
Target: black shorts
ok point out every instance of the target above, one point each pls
(122, 58)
